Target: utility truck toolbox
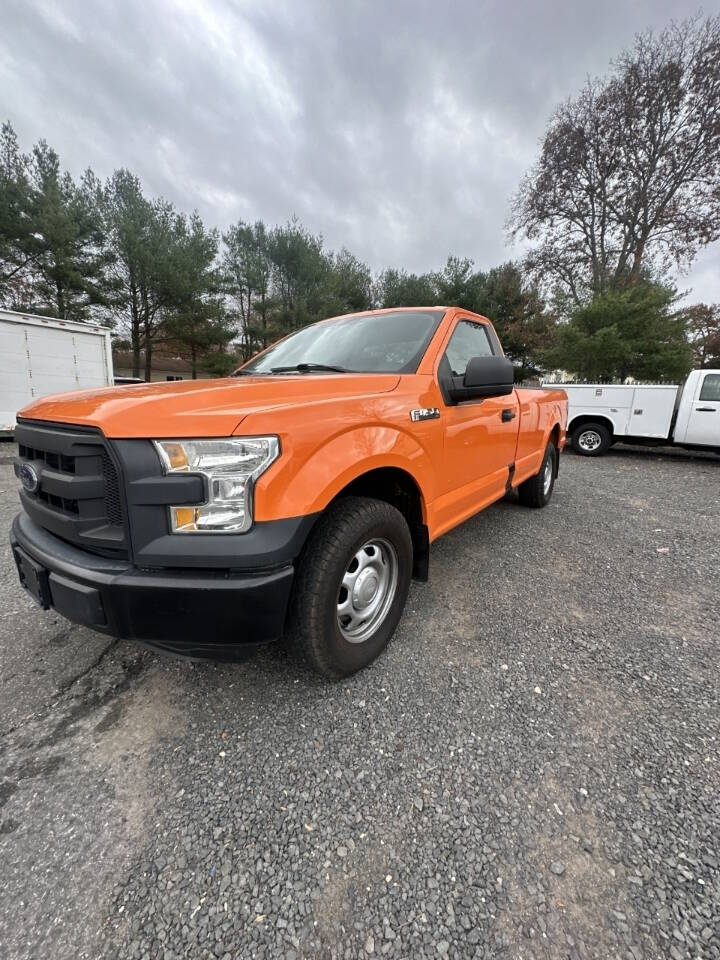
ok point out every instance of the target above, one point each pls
(298, 497)
(650, 414)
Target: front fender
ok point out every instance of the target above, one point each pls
(307, 484)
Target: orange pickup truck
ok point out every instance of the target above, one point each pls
(298, 497)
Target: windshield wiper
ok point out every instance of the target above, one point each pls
(309, 368)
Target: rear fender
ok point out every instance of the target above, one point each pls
(541, 412)
(586, 415)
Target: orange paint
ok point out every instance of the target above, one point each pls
(335, 427)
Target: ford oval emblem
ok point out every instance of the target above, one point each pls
(29, 478)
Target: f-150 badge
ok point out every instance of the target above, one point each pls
(424, 413)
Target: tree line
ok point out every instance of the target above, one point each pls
(104, 251)
(626, 189)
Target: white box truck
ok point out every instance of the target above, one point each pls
(686, 415)
(43, 355)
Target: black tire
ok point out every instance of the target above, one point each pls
(316, 626)
(598, 433)
(536, 491)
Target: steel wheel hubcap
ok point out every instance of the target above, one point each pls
(367, 590)
(589, 440)
(548, 476)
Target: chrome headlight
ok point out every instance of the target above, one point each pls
(230, 467)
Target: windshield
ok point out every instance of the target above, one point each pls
(358, 343)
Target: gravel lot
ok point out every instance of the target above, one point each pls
(531, 770)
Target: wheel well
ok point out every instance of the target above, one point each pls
(398, 488)
(588, 418)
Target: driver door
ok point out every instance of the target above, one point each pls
(480, 436)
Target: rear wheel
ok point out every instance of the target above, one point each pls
(351, 585)
(591, 439)
(536, 491)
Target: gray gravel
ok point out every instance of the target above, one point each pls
(531, 770)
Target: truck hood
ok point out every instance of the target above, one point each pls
(198, 408)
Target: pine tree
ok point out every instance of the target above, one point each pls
(71, 269)
(18, 246)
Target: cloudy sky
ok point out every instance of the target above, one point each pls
(398, 129)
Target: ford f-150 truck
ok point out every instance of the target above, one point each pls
(298, 497)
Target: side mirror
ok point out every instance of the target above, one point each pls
(484, 377)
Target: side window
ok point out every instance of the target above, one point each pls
(468, 340)
(710, 389)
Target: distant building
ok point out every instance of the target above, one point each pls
(163, 367)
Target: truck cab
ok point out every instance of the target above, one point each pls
(297, 497)
(697, 423)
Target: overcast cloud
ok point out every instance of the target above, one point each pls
(397, 129)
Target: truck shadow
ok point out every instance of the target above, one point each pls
(628, 451)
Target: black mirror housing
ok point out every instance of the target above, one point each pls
(484, 377)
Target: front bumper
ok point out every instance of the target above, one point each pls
(213, 614)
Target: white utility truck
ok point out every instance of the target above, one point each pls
(42, 355)
(686, 415)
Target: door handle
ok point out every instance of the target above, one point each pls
(508, 415)
(704, 409)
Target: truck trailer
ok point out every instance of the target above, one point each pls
(44, 355)
(660, 414)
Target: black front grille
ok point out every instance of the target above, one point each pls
(113, 504)
(78, 496)
(59, 503)
(54, 460)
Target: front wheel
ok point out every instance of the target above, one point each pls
(537, 490)
(351, 585)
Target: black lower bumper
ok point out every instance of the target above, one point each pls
(212, 614)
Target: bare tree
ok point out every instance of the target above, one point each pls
(628, 178)
(703, 326)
